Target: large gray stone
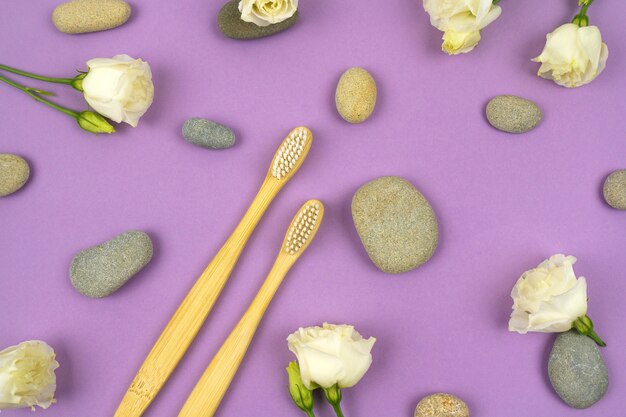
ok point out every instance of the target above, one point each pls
(101, 270)
(513, 114)
(615, 189)
(396, 224)
(577, 371)
(83, 16)
(14, 172)
(230, 24)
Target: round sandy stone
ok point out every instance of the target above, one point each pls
(615, 189)
(513, 114)
(14, 172)
(355, 96)
(441, 405)
(84, 16)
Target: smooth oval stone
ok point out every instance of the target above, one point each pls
(441, 405)
(83, 16)
(614, 189)
(208, 134)
(14, 172)
(513, 114)
(101, 270)
(230, 24)
(396, 224)
(577, 371)
(355, 96)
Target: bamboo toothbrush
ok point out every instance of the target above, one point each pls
(210, 389)
(184, 325)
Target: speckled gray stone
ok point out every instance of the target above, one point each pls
(513, 114)
(355, 96)
(396, 224)
(208, 134)
(441, 405)
(14, 172)
(615, 189)
(101, 270)
(577, 371)
(83, 16)
(230, 24)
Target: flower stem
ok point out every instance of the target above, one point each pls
(30, 92)
(337, 409)
(584, 326)
(581, 19)
(309, 413)
(35, 76)
(495, 2)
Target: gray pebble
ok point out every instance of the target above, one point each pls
(396, 224)
(441, 405)
(101, 270)
(513, 114)
(14, 172)
(83, 16)
(615, 189)
(355, 96)
(208, 134)
(230, 24)
(577, 371)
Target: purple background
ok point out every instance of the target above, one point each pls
(504, 202)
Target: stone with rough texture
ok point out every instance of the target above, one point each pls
(615, 189)
(208, 134)
(101, 270)
(513, 114)
(441, 405)
(577, 371)
(84, 16)
(14, 172)
(396, 224)
(230, 24)
(355, 96)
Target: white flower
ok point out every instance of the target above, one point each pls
(267, 12)
(548, 298)
(461, 21)
(331, 354)
(119, 88)
(573, 55)
(27, 375)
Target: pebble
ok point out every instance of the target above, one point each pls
(577, 371)
(513, 114)
(84, 16)
(208, 134)
(355, 96)
(396, 224)
(230, 24)
(14, 172)
(101, 270)
(441, 405)
(615, 189)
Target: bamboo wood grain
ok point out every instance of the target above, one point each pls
(192, 312)
(212, 386)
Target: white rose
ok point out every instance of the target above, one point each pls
(461, 21)
(119, 88)
(573, 55)
(27, 375)
(267, 12)
(331, 354)
(548, 298)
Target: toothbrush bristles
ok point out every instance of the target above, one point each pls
(302, 228)
(289, 153)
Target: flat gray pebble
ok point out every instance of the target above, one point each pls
(101, 270)
(230, 24)
(396, 224)
(577, 371)
(84, 16)
(513, 114)
(614, 189)
(208, 134)
(14, 172)
(441, 405)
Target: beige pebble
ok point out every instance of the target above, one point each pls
(441, 405)
(14, 172)
(355, 96)
(83, 16)
(614, 189)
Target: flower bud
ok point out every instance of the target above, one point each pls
(301, 395)
(581, 20)
(94, 123)
(333, 394)
(584, 326)
(77, 82)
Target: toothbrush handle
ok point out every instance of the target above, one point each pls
(192, 312)
(213, 384)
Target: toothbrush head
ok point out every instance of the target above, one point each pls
(291, 153)
(303, 227)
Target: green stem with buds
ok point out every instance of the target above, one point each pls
(67, 81)
(337, 409)
(584, 326)
(581, 19)
(33, 93)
